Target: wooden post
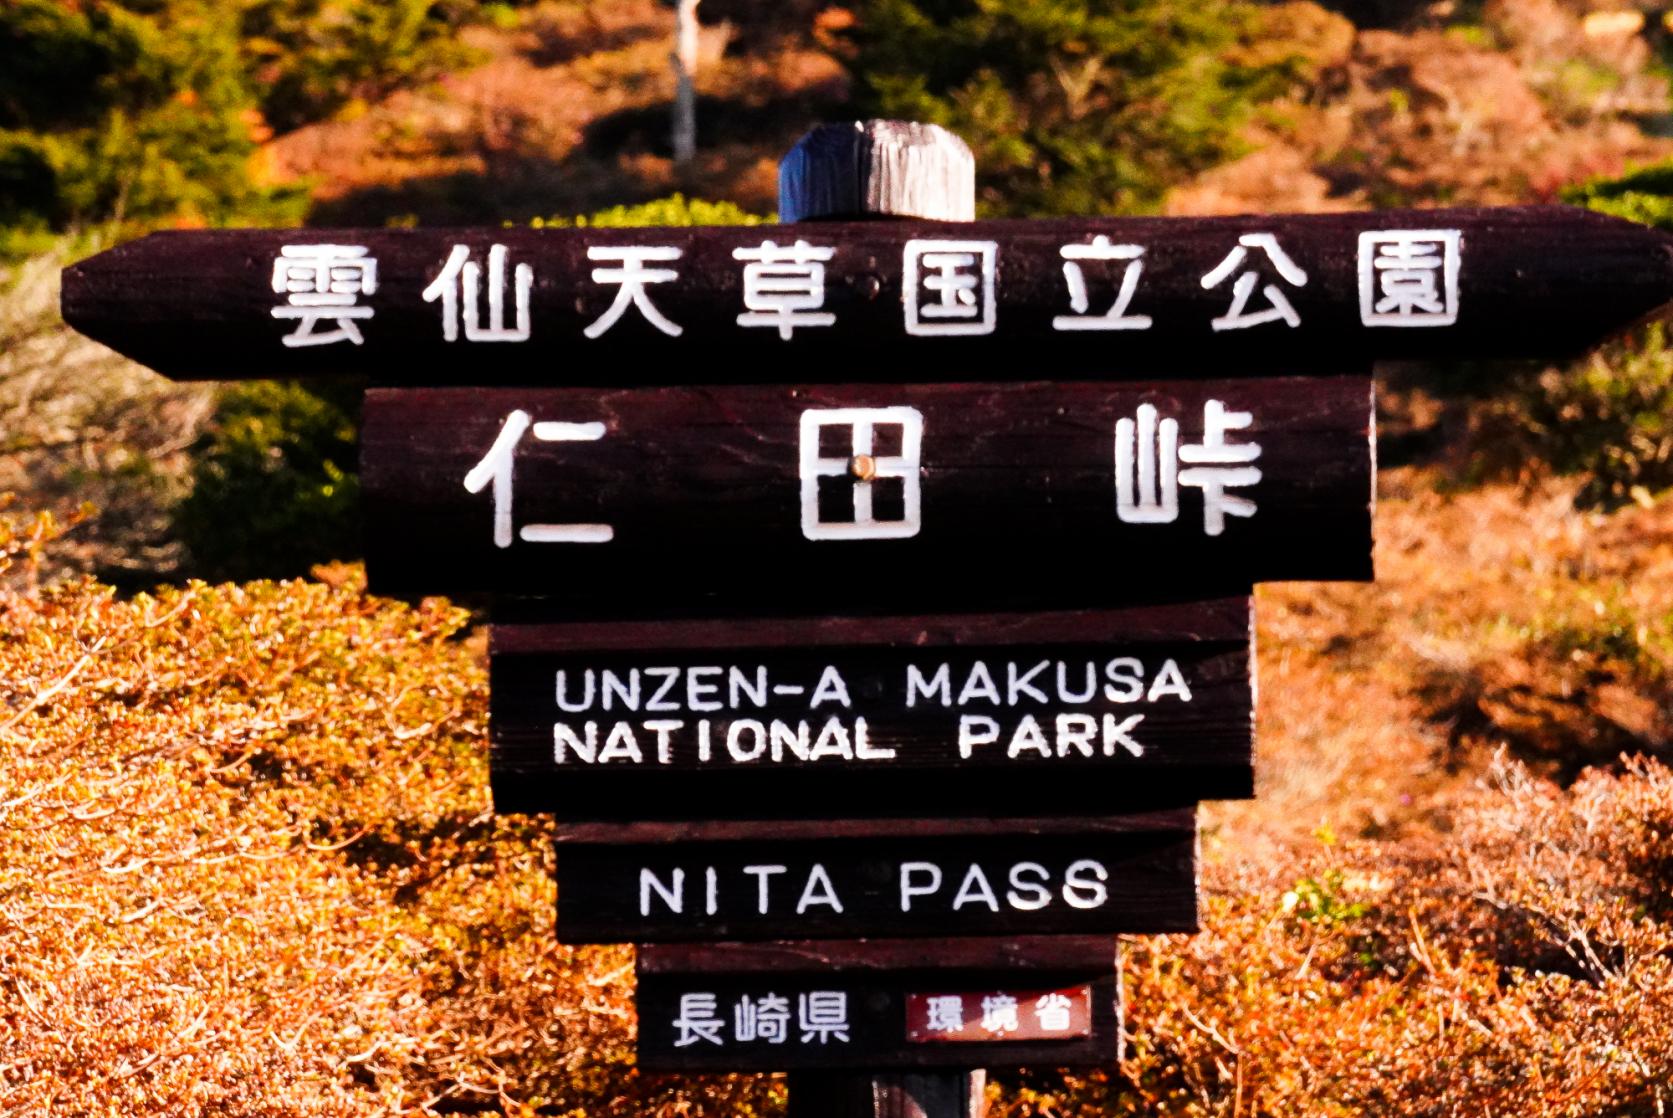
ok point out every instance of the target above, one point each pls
(684, 58)
(944, 1094)
(881, 169)
(877, 169)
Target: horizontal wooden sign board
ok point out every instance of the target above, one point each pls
(1134, 874)
(1099, 297)
(901, 1010)
(1018, 715)
(855, 498)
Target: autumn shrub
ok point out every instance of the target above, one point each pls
(1522, 965)
(248, 867)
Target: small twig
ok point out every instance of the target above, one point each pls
(47, 693)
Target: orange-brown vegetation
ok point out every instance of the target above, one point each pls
(569, 114)
(1504, 110)
(247, 863)
(247, 867)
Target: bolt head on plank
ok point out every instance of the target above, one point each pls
(878, 168)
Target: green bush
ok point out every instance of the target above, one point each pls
(1071, 106)
(676, 209)
(128, 112)
(1608, 417)
(274, 489)
(149, 111)
(1644, 195)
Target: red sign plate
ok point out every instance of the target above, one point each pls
(999, 1015)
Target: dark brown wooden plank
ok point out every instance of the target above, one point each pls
(643, 831)
(1083, 955)
(1011, 881)
(1091, 723)
(1223, 619)
(873, 1004)
(709, 500)
(1531, 282)
(901, 1094)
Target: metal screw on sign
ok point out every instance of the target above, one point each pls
(881, 169)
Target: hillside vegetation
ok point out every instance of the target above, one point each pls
(248, 864)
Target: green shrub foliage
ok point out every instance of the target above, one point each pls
(128, 111)
(274, 489)
(676, 209)
(1645, 195)
(151, 110)
(1608, 418)
(1071, 106)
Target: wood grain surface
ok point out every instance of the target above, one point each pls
(1129, 710)
(699, 499)
(1531, 282)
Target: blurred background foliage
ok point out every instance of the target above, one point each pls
(1071, 107)
(120, 117)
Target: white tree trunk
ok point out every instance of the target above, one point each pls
(685, 73)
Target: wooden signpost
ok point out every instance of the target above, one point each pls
(823, 879)
(880, 1004)
(1051, 713)
(872, 578)
(865, 499)
(1088, 298)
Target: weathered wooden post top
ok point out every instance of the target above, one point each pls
(1060, 299)
(873, 667)
(878, 168)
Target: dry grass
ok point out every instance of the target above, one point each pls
(247, 866)
(80, 425)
